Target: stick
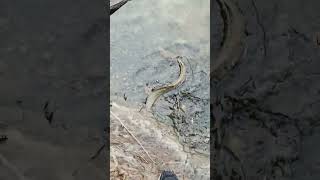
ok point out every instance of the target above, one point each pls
(5, 162)
(133, 136)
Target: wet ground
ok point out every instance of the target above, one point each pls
(269, 104)
(138, 32)
(53, 90)
(154, 148)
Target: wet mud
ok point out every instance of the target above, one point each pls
(266, 111)
(137, 66)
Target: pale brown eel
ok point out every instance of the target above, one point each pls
(157, 92)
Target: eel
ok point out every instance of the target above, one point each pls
(157, 92)
(234, 31)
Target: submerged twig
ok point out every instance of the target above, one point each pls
(262, 28)
(98, 152)
(5, 162)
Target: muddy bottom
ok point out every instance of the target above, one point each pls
(269, 103)
(53, 90)
(182, 28)
(141, 148)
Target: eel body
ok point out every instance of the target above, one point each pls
(157, 92)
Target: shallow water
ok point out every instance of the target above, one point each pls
(137, 32)
(141, 27)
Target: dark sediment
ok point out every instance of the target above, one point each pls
(53, 90)
(268, 106)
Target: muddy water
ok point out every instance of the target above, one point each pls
(138, 31)
(269, 103)
(52, 96)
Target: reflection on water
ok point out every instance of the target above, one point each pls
(141, 27)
